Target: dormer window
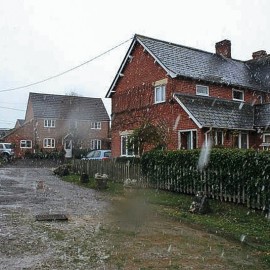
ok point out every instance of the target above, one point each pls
(160, 93)
(202, 90)
(238, 95)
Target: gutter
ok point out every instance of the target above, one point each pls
(205, 135)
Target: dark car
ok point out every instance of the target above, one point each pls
(98, 154)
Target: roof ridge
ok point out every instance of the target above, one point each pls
(184, 46)
(62, 95)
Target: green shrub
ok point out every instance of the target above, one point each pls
(234, 172)
(132, 160)
(79, 153)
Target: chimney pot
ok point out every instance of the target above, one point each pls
(259, 54)
(224, 48)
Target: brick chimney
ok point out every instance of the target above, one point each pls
(259, 54)
(224, 48)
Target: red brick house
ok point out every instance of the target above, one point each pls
(57, 122)
(195, 95)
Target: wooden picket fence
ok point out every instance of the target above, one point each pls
(185, 180)
(117, 171)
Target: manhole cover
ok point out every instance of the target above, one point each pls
(51, 217)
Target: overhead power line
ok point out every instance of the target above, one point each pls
(7, 122)
(14, 109)
(66, 71)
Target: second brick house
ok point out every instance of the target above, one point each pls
(61, 122)
(196, 96)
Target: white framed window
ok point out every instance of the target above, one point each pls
(49, 123)
(95, 144)
(95, 125)
(217, 137)
(25, 144)
(160, 93)
(187, 139)
(266, 141)
(202, 90)
(241, 140)
(126, 148)
(238, 95)
(49, 143)
(266, 137)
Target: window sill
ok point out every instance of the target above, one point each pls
(204, 95)
(239, 100)
(160, 102)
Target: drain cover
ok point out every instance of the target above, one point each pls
(51, 217)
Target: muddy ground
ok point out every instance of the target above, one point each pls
(102, 232)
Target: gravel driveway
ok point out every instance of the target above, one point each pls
(29, 244)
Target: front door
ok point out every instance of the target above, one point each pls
(68, 148)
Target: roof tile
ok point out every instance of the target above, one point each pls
(68, 107)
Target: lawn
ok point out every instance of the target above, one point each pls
(234, 222)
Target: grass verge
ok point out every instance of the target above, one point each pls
(232, 221)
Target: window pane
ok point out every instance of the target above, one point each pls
(91, 154)
(244, 141)
(188, 140)
(97, 154)
(107, 154)
(236, 140)
(202, 90)
(267, 138)
(219, 138)
(123, 145)
(194, 142)
(239, 95)
(127, 148)
(159, 93)
(49, 143)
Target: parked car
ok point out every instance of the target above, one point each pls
(6, 151)
(98, 154)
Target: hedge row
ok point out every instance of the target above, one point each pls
(241, 174)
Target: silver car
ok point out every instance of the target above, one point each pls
(98, 154)
(6, 151)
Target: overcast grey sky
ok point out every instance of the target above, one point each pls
(40, 39)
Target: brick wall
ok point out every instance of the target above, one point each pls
(36, 132)
(82, 135)
(23, 133)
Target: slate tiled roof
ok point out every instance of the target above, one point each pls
(262, 115)
(20, 122)
(196, 64)
(201, 65)
(260, 69)
(218, 113)
(68, 107)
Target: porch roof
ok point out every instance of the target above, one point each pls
(217, 113)
(262, 115)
